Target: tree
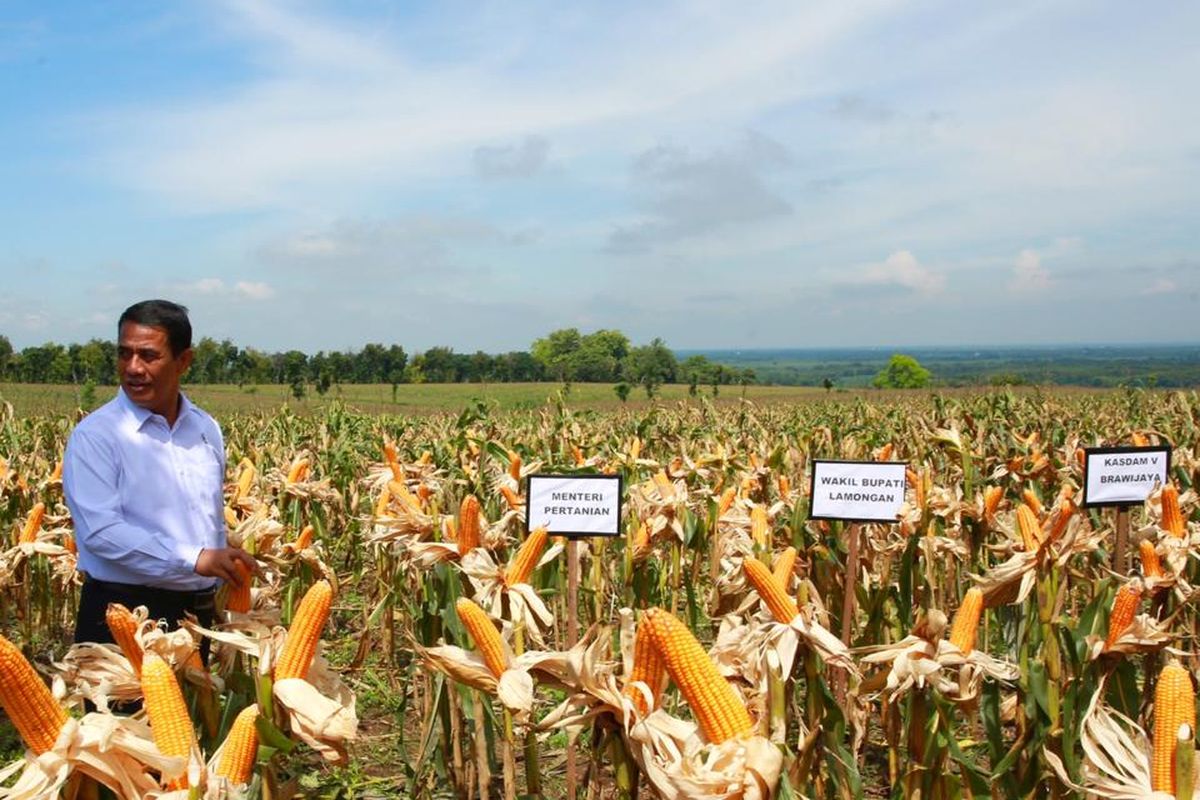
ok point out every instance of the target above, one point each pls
(6, 355)
(554, 351)
(651, 366)
(622, 390)
(902, 372)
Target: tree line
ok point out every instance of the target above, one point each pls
(605, 356)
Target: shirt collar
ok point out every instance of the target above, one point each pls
(141, 415)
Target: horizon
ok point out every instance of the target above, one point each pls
(321, 176)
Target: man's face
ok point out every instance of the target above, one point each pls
(149, 372)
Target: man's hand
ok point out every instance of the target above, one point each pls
(218, 562)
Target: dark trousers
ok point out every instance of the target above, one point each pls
(173, 606)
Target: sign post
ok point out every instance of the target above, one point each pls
(856, 492)
(575, 506)
(1121, 477)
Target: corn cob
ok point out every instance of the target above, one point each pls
(404, 496)
(305, 631)
(782, 606)
(426, 457)
(1125, 605)
(56, 474)
(635, 448)
(726, 501)
(393, 462)
(1139, 439)
(577, 454)
(527, 557)
(69, 544)
(241, 748)
(33, 523)
(1172, 519)
(298, 471)
(28, 702)
(167, 712)
(1038, 462)
(510, 497)
(1174, 705)
(245, 478)
(785, 486)
(992, 496)
(381, 504)
(641, 537)
(648, 667)
(304, 539)
(966, 621)
(239, 596)
(514, 465)
(785, 563)
(1031, 531)
(760, 530)
(1030, 498)
(885, 452)
(719, 712)
(468, 525)
(917, 482)
(423, 494)
(484, 633)
(1065, 510)
(1151, 565)
(123, 626)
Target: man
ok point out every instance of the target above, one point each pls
(143, 478)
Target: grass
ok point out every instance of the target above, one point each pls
(409, 399)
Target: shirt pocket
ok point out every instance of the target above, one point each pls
(204, 474)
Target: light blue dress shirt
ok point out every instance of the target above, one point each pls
(145, 498)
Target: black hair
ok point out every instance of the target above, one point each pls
(171, 317)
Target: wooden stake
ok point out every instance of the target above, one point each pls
(849, 604)
(572, 638)
(1120, 558)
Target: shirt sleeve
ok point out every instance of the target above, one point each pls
(90, 483)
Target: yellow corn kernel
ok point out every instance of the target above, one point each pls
(123, 626)
(719, 712)
(1030, 530)
(33, 524)
(1124, 607)
(167, 712)
(648, 667)
(1174, 705)
(468, 525)
(1151, 565)
(760, 528)
(298, 471)
(239, 596)
(240, 748)
(527, 557)
(785, 563)
(1030, 498)
(483, 632)
(34, 712)
(966, 621)
(781, 605)
(305, 631)
(1172, 518)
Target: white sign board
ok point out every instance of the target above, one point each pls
(1119, 476)
(575, 505)
(857, 491)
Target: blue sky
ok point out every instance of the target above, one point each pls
(323, 175)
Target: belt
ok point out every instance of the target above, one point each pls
(199, 599)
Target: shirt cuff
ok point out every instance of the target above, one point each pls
(187, 559)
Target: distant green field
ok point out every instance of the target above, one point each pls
(411, 399)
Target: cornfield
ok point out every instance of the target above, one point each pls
(409, 638)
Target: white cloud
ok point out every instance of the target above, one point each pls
(1160, 286)
(1028, 273)
(253, 290)
(901, 269)
(205, 286)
